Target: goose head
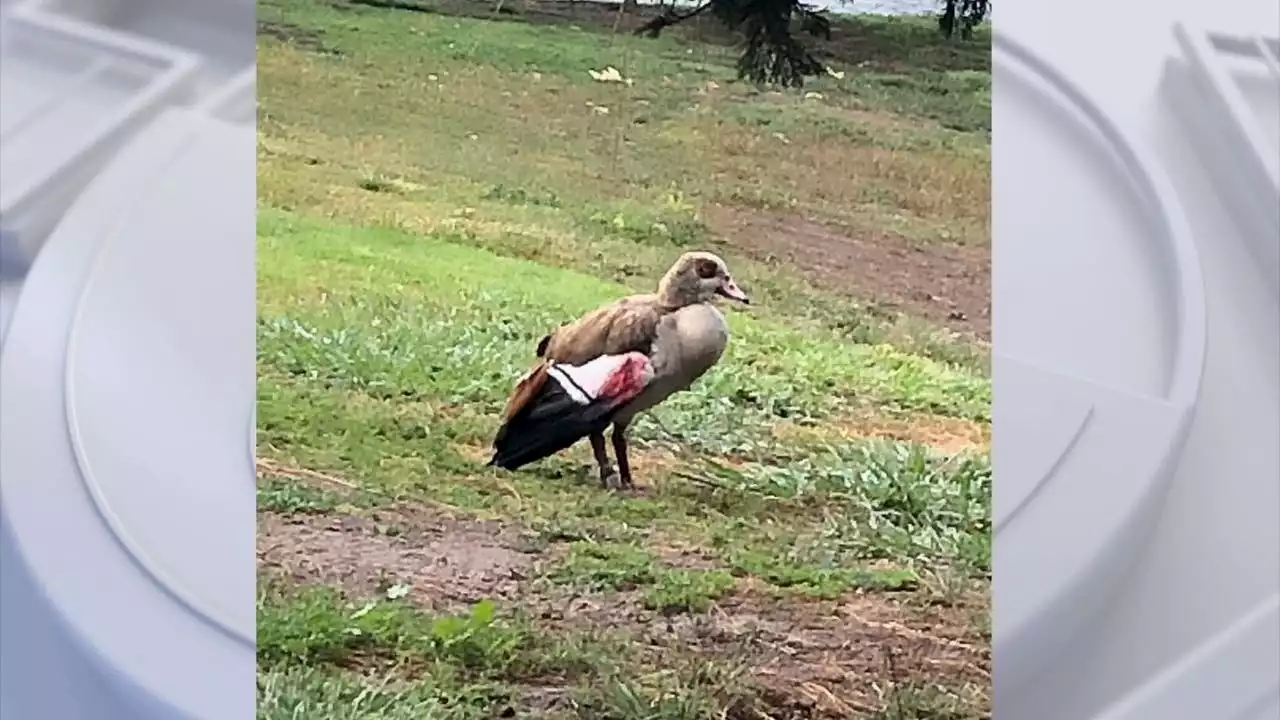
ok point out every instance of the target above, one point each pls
(698, 277)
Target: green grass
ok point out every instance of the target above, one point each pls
(436, 193)
(486, 131)
(288, 693)
(459, 322)
(385, 358)
(315, 626)
(445, 666)
(322, 656)
(289, 497)
(617, 566)
(414, 356)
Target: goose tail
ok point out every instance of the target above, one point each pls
(555, 405)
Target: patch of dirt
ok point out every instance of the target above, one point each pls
(808, 659)
(949, 285)
(447, 563)
(479, 454)
(948, 436)
(683, 555)
(838, 659)
(813, 659)
(301, 37)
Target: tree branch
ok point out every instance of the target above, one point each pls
(655, 26)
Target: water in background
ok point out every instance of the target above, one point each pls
(879, 7)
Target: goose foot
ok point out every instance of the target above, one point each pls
(620, 450)
(611, 480)
(609, 477)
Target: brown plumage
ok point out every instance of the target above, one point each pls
(628, 325)
(526, 389)
(676, 327)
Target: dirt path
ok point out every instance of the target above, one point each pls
(949, 285)
(448, 564)
(811, 659)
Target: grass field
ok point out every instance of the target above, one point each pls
(439, 188)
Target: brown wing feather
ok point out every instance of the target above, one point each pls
(526, 389)
(628, 325)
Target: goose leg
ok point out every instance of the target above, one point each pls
(608, 476)
(620, 449)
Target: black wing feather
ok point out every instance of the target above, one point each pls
(551, 422)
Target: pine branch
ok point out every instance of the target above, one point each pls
(654, 27)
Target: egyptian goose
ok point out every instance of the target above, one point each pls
(615, 362)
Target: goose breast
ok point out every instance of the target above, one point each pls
(688, 343)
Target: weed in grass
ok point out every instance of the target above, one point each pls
(600, 566)
(670, 229)
(621, 700)
(701, 691)
(289, 497)
(301, 692)
(947, 586)
(896, 500)
(803, 570)
(316, 626)
(376, 183)
(679, 590)
(664, 589)
(922, 701)
(520, 196)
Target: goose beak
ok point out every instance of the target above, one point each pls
(730, 289)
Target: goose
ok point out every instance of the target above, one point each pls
(614, 363)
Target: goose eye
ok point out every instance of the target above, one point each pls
(706, 269)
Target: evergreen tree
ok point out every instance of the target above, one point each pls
(773, 54)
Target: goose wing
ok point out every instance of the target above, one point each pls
(587, 370)
(628, 325)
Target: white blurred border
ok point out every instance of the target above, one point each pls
(1214, 560)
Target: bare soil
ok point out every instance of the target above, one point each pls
(949, 285)
(448, 564)
(309, 40)
(946, 435)
(817, 659)
(813, 659)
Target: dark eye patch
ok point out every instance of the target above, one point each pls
(706, 269)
